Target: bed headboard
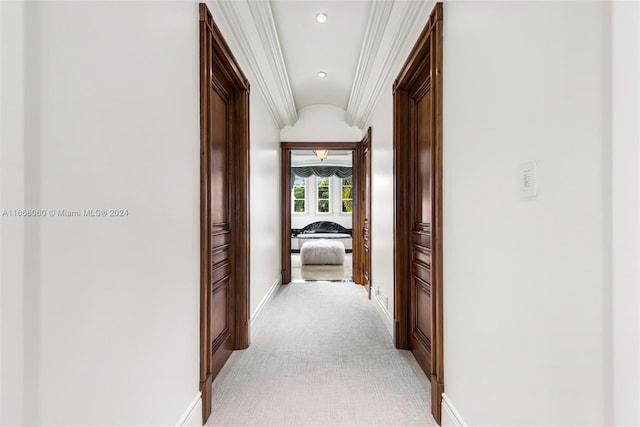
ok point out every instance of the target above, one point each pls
(322, 227)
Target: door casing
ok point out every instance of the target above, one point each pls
(426, 57)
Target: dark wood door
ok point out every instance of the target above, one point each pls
(418, 206)
(420, 248)
(365, 199)
(221, 264)
(224, 314)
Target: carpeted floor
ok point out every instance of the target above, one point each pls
(321, 356)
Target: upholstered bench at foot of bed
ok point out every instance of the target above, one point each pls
(322, 252)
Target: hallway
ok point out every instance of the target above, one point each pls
(320, 355)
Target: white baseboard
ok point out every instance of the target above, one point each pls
(266, 300)
(384, 314)
(192, 417)
(450, 416)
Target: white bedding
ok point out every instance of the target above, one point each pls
(322, 252)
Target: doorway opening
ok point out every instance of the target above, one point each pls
(321, 215)
(323, 210)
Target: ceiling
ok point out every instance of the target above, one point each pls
(309, 47)
(281, 47)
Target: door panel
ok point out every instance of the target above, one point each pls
(423, 155)
(224, 189)
(219, 160)
(365, 150)
(418, 206)
(219, 318)
(221, 301)
(421, 333)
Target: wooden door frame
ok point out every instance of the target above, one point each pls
(285, 190)
(429, 44)
(214, 48)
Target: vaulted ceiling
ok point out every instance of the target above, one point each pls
(282, 47)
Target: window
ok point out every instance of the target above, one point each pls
(299, 195)
(347, 195)
(323, 195)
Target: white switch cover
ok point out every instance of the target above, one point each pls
(527, 177)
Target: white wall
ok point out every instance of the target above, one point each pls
(525, 300)
(111, 304)
(382, 204)
(299, 220)
(12, 153)
(265, 208)
(625, 114)
(320, 122)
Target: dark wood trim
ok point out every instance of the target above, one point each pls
(206, 378)
(362, 264)
(214, 48)
(426, 55)
(285, 207)
(437, 378)
(240, 208)
(356, 236)
(402, 172)
(292, 145)
(416, 58)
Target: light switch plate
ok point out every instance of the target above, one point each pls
(528, 185)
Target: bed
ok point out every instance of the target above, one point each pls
(322, 252)
(320, 230)
(327, 229)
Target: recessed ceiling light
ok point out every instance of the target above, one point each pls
(322, 74)
(321, 18)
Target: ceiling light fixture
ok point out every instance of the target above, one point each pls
(322, 74)
(321, 18)
(321, 154)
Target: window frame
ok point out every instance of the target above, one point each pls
(342, 199)
(317, 195)
(294, 198)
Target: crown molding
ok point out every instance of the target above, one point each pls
(410, 17)
(266, 26)
(244, 19)
(376, 27)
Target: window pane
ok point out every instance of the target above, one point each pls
(298, 195)
(323, 206)
(347, 195)
(298, 192)
(323, 192)
(346, 192)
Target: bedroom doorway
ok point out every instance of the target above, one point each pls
(321, 215)
(322, 199)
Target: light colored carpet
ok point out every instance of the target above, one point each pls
(321, 356)
(301, 272)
